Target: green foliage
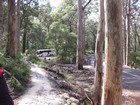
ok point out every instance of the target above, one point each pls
(135, 59)
(42, 64)
(34, 59)
(63, 41)
(68, 51)
(18, 69)
(90, 35)
(45, 27)
(90, 51)
(17, 86)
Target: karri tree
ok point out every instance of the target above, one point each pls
(128, 33)
(112, 87)
(98, 56)
(80, 36)
(18, 24)
(79, 60)
(11, 43)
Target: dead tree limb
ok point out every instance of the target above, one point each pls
(55, 71)
(17, 81)
(86, 4)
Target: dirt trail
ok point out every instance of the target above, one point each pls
(40, 91)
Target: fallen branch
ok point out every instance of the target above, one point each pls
(86, 96)
(12, 76)
(56, 72)
(90, 99)
(86, 4)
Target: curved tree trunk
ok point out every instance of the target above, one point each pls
(112, 87)
(98, 57)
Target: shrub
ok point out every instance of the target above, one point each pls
(18, 69)
(135, 59)
(34, 59)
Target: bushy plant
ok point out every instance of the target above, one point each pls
(135, 59)
(13, 83)
(18, 69)
(63, 41)
(34, 59)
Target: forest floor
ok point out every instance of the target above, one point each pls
(63, 84)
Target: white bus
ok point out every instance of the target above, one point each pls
(45, 52)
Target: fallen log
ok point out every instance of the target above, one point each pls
(56, 72)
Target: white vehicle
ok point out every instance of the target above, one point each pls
(45, 52)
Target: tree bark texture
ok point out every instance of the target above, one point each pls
(112, 86)
(24, 39)
(18, 26)
(138, 40)
(98, 56)
(124, 32)
(135, 37)
(79, 59)
(11, 44)
(128, 34)
(124, 42)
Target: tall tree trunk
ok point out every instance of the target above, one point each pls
(124, 41)
(135, 40)
(112, 87)
(79, 59)
(80, 37)
(18, 25)
(128, 34)
(11, 44)
(1, 22)
(98, 56)
(138, 40)
(135, 36)
(24, 39)
(84, 21)
(124, 32)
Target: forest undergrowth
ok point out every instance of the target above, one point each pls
(79, 83)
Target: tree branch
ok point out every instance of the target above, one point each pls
(12, 76)
(86, 4)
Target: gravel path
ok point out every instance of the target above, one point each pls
(40, 91)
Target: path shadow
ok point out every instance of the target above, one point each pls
(131, 79)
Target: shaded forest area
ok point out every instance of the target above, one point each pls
(75, 29)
